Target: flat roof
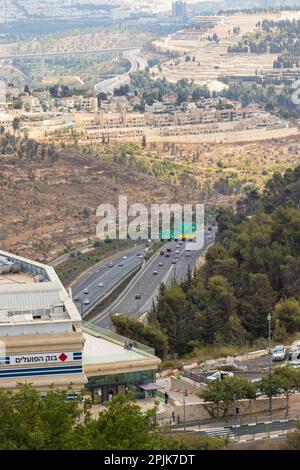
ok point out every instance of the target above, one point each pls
(33, 296)
(100, 350)
(31, 292)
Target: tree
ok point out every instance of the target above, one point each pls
(287, 311)
(16, 123)
(287, 380)
(30, 421)
(229, 390)
(149, 334)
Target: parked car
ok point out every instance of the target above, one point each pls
(218, 375)
(294, 353)
(278, 353)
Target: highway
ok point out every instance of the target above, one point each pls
(136, 63)
(146, 284)
(109, 276)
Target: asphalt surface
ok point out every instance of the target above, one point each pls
(109, 276)
(146, 283)
(136, 63)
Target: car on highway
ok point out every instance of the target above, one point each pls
(139, 255)
(177, 256)
(167, 255)
(187, 253)
(137, 296)
(177, 252)
(155, 273)
(76, 298)
(160, 264)
(174, 261)
(162, 252)
(86, 301)
(110, 265)
(121, 263)
(124, 257)
(218, 375)
(169, 250)
(100, 284)
(86, 291)
(278, 353)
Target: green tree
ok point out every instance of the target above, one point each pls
(287, 311)
(229, 390)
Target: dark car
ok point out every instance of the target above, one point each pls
(137, 296)
(169, 250)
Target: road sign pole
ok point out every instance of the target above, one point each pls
(269, 318)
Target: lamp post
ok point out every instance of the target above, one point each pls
(269, 318)
(184, 411)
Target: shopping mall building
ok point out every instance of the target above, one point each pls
(43, 340)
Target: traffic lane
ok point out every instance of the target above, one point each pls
(148, 283)
(111, 278)
(186, 262)
(102, 268)
(110, 274)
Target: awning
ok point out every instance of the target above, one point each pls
(149, 387)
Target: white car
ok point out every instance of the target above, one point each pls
(278, 353)
(124, 257)
(294, 354)
(100, 284)
(219, 375)
(86, 301)
(86, 291)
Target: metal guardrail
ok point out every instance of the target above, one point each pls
(86, 326)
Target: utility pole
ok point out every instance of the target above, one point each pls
(234, 414)
(269, 318)
(184, 411)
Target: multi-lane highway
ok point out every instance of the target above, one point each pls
(136, 63)
(94, 285)
(143, 289)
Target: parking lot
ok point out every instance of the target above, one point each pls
(252, 367)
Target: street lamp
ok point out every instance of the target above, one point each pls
(269, 318)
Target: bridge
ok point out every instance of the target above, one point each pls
(64, 53)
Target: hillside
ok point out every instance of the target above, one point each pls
(46, 205)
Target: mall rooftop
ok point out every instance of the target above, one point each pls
(33, 299)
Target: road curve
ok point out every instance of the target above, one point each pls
(136, 63)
